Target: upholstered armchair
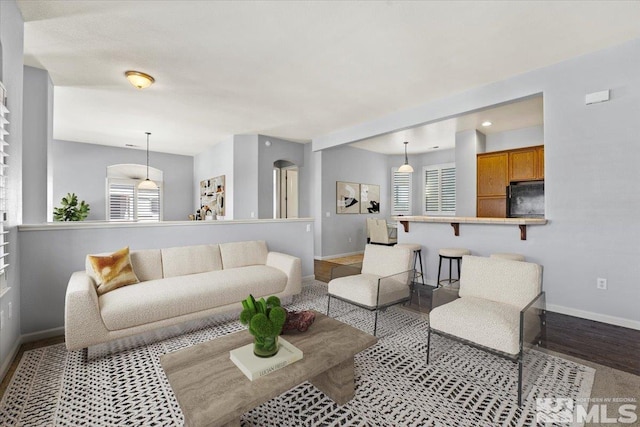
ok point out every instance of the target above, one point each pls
(500, 308)
(384, 280)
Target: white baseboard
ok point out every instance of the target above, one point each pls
(9, 360)
(604, 318)
(324, 258)
(311, 277)
(41, 335)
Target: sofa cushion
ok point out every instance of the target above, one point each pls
(240, 254)
(157, 300)
(510, 282)
(488, 323)
(147, 264)
(184, 260)
(111, 271)
(363, 288)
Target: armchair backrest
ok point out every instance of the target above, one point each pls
(379, 232)
(386, 261)
(510, 282)
(371, 222)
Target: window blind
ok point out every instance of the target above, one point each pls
(440, 189)
(128, 203)
(400, 193)
(4, 157)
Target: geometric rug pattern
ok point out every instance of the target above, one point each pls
(462, 386)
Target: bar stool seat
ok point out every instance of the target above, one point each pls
(509, 256)
(451, 254)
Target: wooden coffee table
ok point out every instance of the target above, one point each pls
(212, 391)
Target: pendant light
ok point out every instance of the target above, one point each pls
(147, 184)
(406, 167)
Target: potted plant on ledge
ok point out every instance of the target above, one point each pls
(71, 210)
(265, 320)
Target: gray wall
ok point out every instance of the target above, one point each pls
(12, 39)
(37, 134)
(351, 165)
(279, 149)
(508, 140)
(468, 145)
(591, 156)
(45, 276)
(245, 171)
(216, 161)
(82, 169)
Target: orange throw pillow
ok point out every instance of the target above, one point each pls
(113, 271)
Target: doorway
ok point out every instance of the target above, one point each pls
(285, 189)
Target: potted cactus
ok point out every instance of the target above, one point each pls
(265, 319)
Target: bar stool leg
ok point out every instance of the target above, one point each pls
(439, 270)
(458, 269)
(450, 274)
(421, 268)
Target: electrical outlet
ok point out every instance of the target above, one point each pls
(308, 228)
(601, 283)
(349, 239)
(10, 310)
(253, 214)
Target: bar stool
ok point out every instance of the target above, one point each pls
(504, 255)
(417, 257)
(451, 254)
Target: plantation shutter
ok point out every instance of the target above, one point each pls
(121, 202)
(400, 192)
(149, 205)
(4, 233)
(440, 189)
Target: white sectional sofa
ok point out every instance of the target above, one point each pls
(177, 285)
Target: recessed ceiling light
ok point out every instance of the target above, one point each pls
(435, 146)
(130, 145)
(486, 123)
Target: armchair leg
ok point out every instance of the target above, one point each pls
(520, 379)
(428, 343)
(375, 323)
(328, 304)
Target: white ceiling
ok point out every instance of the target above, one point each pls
(290, 69)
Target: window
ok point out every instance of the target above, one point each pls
(400, 192)
(4, 243)
(128, 203)
(439, 189)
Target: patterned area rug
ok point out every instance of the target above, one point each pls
(461, 387)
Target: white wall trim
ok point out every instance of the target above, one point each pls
(324, 258)
(311, 277)
(9, 360)
(604, 318)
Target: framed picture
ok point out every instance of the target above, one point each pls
(347, 197)
(212, 196)
(369, 198)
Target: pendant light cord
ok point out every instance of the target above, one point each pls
(148, 133)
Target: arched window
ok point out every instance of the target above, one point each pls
(125, 201)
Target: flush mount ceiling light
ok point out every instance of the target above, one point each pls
(139, 79)
(486, 123)
(147, 184)
(406, 167)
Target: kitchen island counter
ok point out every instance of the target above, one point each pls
(455, 222)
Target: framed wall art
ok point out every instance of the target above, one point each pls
(369, 198)
(212, 196)
(347, 197)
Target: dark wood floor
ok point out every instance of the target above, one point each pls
(602, 343)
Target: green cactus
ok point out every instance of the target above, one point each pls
(264, 317)
(70, 210)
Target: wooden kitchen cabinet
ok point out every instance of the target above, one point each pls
(492, 207)
(495, 171)
(492, 174)
(523, 165)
